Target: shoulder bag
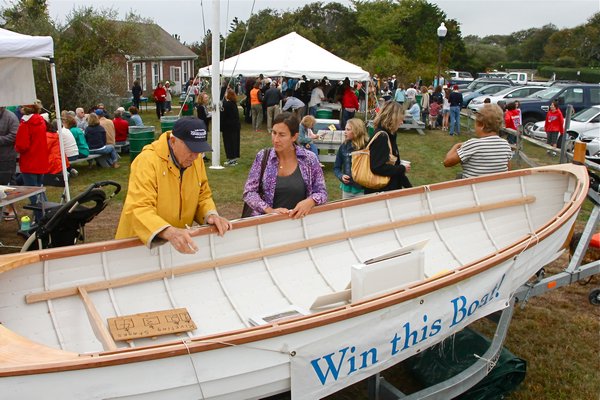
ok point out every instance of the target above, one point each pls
(247, 210)
(361, 167)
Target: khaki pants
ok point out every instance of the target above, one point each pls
(256, 116)
(272, 112)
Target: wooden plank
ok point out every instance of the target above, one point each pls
(150, 324)
(258, 254)
(97, 325)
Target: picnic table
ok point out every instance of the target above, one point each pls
(328, 144)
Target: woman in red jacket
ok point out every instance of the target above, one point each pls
(555, 124)
(160, 96)
(31, 145)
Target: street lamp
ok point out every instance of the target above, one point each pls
(441, 32)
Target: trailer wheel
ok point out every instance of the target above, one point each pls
(594, 297)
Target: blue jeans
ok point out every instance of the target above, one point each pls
(312, 110)
(346, 115)
(35, 180)
(109, 150)
(454, 120)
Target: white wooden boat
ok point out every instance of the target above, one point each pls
(465, 247)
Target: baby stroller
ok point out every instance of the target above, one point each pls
(64, 224)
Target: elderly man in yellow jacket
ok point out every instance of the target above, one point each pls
(168, 190)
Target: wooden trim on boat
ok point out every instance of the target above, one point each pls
(253, 255)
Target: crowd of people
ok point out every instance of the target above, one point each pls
(30, 139)
(286, 178)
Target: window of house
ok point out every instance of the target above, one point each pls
(186, 70)
(155, 74)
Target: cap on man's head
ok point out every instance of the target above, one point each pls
(455, 87)
(100, 112)
(192, 131)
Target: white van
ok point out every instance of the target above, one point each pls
(459, 77)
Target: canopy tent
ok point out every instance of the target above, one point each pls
(292, 56)
(16, 74)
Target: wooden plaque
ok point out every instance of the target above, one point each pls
(153, 323)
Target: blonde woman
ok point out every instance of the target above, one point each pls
(383, 163)
(356, 139)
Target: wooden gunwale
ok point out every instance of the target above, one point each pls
(247, 335)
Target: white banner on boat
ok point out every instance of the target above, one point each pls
(376, 341)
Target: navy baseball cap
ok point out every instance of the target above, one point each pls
(193, 132)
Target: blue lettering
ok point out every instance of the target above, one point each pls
(459, 310)
(364, 355)
(331, 367)
(436, 327)
(408, 336)
(394, 343)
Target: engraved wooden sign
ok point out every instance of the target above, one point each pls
(153, 323)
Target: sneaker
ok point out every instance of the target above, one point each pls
(73, 172)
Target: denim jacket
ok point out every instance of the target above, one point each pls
(343, 163)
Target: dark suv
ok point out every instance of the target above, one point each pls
(580, 96)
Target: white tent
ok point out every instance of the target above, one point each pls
(292, 56)
(16, 74)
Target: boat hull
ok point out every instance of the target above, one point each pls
(284, 262)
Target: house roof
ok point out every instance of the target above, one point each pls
(160, 45)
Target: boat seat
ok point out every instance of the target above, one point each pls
(15, 351)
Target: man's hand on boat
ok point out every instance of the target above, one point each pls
(182, 240)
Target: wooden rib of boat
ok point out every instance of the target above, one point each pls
(465, 246)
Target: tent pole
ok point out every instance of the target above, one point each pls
(216, 87)
(367, 99)
(59, 125)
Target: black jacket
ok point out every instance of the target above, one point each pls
(379, 163)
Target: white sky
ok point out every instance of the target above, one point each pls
(476, 17)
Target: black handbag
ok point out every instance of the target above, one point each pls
(247, 210)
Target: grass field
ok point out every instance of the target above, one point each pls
(558, 333)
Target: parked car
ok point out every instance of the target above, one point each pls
(487, 90)
(505, 95)
(481, 82)
(591, 138)
(580, 96)
(586, 120)
(459, 77)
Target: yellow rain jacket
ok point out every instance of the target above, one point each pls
(158, 196)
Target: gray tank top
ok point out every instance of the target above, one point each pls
(289, 190)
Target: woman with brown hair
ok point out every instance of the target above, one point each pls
(291, 181)
(230, 126)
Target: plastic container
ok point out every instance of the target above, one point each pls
(25, 223)
(139, 136)
(167, 123)
(324, 113)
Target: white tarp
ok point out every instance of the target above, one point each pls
(292, 56)
(16, 72)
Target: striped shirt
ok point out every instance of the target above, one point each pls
(486, 155)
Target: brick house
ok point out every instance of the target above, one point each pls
(165, 59)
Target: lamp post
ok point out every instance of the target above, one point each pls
(441, 32)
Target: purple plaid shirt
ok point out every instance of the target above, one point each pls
(311, 171)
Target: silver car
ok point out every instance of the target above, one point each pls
(591, 138)
(505, 95)
(583, 121)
